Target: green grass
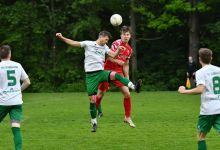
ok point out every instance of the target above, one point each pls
(61, 121)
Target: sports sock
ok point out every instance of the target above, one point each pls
(202, 145)
(127, 105)
(124, 80)
(17, 138)
(100, 108)
(98, 101)
(93, 110)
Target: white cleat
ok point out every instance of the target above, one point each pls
(128, 120)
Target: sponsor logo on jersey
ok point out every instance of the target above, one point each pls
(97, 51)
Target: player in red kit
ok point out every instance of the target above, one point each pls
(121, 62)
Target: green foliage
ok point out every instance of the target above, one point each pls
(28, 28)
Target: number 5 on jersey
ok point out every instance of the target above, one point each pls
(11, 78)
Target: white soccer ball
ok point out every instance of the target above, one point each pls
(116, 20)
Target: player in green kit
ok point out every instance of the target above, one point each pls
(10, 92)
(208, 85)
(95, 73)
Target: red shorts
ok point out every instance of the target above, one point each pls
(105, 85)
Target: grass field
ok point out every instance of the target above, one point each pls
(61, 121)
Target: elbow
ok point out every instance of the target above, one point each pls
(28, 82)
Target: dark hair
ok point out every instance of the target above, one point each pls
(105, 33)
(5, 50)
(206, 55)
(125, 29)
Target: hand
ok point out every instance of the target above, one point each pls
(193, 73)
(59, 35)
(120, 62)
(187, 74)
(122, 48)
(182, 89)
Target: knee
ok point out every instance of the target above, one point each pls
(127, 95)
(101, 94)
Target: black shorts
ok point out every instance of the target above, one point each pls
(191, 75)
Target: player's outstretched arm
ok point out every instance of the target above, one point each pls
(115, 54)
(25, 84)
(198, 90)
(68, 41)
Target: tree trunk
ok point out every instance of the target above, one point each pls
(194, 25)
(54, 34)
(133, 41)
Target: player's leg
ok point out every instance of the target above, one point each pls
(194, 79)
(15, 117)
(92, 83)
(126, 81)
(204, 125)
(100, 95)
(201, 140)
(127, 105)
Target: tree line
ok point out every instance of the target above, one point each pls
(165, 33)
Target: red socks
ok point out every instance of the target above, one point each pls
(98, 101)
(127, 105)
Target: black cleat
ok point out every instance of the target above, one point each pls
(100, 114)
(138, 86)
(94, 127)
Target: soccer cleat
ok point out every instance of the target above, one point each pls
(94, 127)
(128, 120)
(100, 114)
(138, 86)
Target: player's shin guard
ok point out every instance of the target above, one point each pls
(202, 145)
(93, 110)
(17, 138)
(122, 79)
(100, 108)
(127, 105)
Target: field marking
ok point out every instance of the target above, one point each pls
(42, 101)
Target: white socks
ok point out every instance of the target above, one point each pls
(131, 85)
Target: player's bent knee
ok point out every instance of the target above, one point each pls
(126, 95)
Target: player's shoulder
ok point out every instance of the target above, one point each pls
(117, 42)
(87, 42)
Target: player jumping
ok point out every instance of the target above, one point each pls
(116, 65)
(95, 73)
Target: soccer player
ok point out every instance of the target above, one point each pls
(95, 73)
(208, 85)
(191, 69)
(10, 92)
(116, 65)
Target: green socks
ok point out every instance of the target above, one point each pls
(17, 138)
(202, 145)
(100, 108)
(123, 80)
(93, 110)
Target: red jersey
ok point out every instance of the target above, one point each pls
(123, 55)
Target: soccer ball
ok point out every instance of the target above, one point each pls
(116, 20)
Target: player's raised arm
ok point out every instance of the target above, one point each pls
(116, 53)
(68, 41)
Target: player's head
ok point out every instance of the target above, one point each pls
(5, 52)
(104, 36)
(125, 34)
(190, 58)
(205, 55)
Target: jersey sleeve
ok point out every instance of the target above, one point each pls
(200, 78)
(83, 43)
(107, 49)
(23, 74)
(114, 46)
